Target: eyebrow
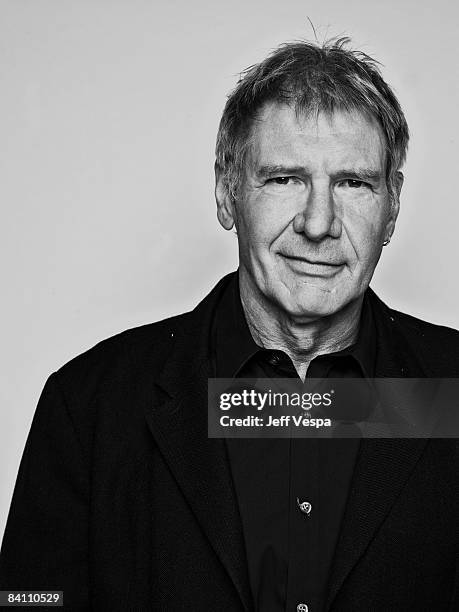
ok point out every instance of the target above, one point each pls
(368, 174)
(271, 169)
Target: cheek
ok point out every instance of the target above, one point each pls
(252, 233)
(262, 221)
(365, 233)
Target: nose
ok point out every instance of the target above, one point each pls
(318, 219)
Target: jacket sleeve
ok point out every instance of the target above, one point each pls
(45, 545)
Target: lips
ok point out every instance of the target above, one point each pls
(312, 267)
(312, 261)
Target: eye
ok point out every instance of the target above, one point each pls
(281, 180)
(354, 183)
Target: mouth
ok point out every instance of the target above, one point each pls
(312, 267)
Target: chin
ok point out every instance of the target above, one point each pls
(312, 303)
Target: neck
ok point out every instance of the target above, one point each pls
(302, 340)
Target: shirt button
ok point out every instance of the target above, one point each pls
(302, 607)
(305, 507)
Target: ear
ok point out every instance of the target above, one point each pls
(225, 204)
(398, 179)
(395, 206)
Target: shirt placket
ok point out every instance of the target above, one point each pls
(303, 527)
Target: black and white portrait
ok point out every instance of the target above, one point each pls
(246, 191)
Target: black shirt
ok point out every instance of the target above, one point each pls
(289, 550)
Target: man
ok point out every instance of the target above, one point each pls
(124, 503)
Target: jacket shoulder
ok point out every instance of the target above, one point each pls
(122, 357)
(436, 347)
(133, 359)
(430, 332)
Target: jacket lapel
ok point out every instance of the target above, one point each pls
(178, 422)
(382, 469)
(383, 465)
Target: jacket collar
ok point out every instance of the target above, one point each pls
(178, 421)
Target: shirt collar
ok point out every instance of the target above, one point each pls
(233, 344)
(364, 348)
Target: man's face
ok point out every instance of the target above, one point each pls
(313, 210)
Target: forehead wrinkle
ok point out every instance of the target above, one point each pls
(285, 143)
(309, 162)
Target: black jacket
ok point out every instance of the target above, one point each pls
(124, 503)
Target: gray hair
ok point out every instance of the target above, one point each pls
(311, 78)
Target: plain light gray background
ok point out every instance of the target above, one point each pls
(108, 116)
